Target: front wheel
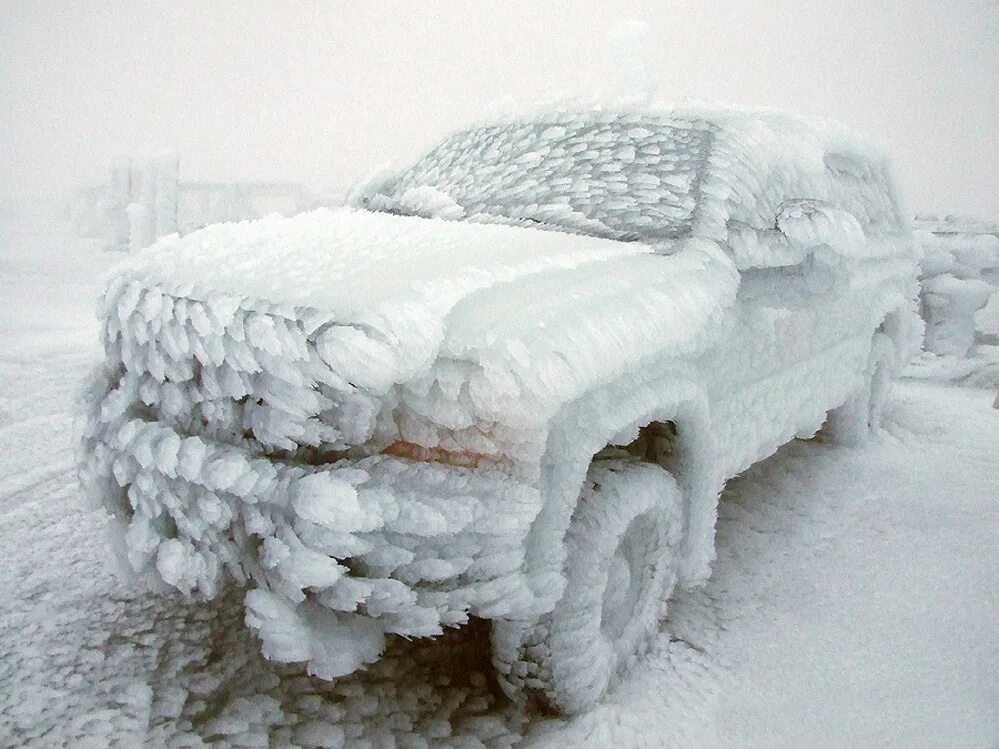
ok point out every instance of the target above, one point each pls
(620, 569)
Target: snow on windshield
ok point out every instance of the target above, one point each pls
(627, 178)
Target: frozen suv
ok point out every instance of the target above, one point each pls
(508, 382)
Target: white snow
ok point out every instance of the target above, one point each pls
(377, 421)
(853, 602)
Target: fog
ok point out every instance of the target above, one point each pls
(322, 93)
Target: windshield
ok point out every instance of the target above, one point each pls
(630, 177)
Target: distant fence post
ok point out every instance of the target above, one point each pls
(167, 167)
(151, 206)
(142, 208)
(116, 208)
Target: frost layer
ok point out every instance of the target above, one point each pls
(212, 436)
(381, 423)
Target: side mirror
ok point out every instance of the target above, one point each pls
(808, 224)
(803, 228)
(369, 189)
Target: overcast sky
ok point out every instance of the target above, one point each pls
(323, 92)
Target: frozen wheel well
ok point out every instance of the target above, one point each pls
(656, 443)
(890, 325)
(613, 416)
(904, 329)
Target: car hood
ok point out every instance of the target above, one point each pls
(385, 296)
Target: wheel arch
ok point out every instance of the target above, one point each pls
(899, 319)
(613, 414)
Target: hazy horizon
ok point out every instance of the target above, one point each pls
(323, 95)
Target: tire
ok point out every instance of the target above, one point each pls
(620, 570)
(860, 416)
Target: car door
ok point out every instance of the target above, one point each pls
(773, 377)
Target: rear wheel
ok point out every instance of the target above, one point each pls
(858, 418)
(620, 569)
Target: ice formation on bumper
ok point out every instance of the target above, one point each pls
(381, 423)
(232, 436)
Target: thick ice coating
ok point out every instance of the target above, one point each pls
(651, 173)
(379, 419)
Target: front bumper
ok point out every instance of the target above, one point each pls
(336, 555)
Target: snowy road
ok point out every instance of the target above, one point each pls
(854, 602)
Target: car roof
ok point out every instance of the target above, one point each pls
(645, 172)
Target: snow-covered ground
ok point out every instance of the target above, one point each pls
(854, 602)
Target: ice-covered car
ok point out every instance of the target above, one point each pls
(508, 382)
